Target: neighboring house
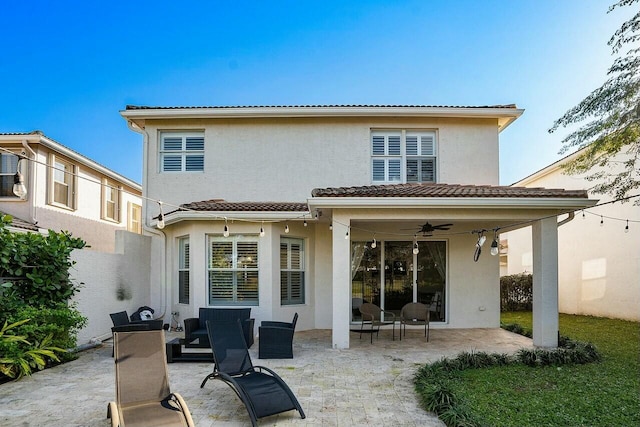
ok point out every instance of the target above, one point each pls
(313, 209)
(66, 190)
(599, 257)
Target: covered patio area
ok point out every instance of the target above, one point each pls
(365, 385)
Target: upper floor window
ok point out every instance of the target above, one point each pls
(134, 218)
(8, 169)
(403, 156)
(62, 182)
(110, 200)
(182, 152)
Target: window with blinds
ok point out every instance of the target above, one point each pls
(8, 168)
(182, 152)
(183, 270)
(291, 271)
(398, 157)
(233, 271)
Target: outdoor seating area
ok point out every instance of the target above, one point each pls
(195, 329)
(327, 382)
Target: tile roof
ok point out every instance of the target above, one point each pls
(144, 107)
(445, 190)
(218, 205)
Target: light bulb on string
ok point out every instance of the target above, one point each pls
(19, 189)
(601, 220)
(331, 226)
(494, 244)
(626, 228)
(225, 231)
(374, 243)
(416, 249)
(346, 235)
(583, 216)
(160, 224)
(262, 229)
(286, 228)
(305, 222)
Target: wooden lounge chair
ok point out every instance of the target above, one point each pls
(143, 397)
(260, 389)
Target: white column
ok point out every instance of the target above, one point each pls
(545, 282)
(341, 281)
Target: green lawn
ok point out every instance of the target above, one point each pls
(597, 394)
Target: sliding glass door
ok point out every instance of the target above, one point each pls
(406, 276)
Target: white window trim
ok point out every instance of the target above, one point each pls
(73, 171)
(302, 269)
(22, 167)
(234, 239)
(130, 226)
(183, 153)
(403, 156)
(106, 185)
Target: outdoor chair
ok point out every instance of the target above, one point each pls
(196, 328)
(276, 339)
(414, 313)
(143, 396)
(373, 317)
(260, 389)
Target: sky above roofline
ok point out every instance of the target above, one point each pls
(69, 68)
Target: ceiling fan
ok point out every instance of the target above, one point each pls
(427, 229)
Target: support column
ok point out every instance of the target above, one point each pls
(545, 282)
(341, 281)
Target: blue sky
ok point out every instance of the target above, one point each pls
(68, 67)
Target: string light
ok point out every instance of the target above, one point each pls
(331, 226)
(317, 212)
(626, 228)
(19, 189)
(374, 243)
(286, 228)
(160, 223)
(225, 232)
(346, 235)
(262, 229)
(305, 222)
(583, 215)
(416, 249)
(494, 245)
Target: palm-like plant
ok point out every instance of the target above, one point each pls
(23, 363)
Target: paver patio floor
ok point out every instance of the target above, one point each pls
(365, 385)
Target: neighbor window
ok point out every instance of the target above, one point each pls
(110, 200)
(291, 271)
(233, 270)
(182, 152)
(134, 218)
(8, 169)
(403, 156)
(183, 271)
(62, 182)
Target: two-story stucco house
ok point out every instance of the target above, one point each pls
(313, 209)
(599, 252)
(64, 190)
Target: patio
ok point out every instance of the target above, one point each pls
(366, 385)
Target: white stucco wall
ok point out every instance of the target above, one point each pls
(599, 265)
(112, 282)
(284, 159)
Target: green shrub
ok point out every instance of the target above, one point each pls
(516, 292)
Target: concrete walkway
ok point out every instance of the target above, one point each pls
(366, 385)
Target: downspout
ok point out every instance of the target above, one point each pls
(32, 183)
(146, 227)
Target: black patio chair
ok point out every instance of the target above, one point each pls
(260, 389)
(414, 313)
(276, 339)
